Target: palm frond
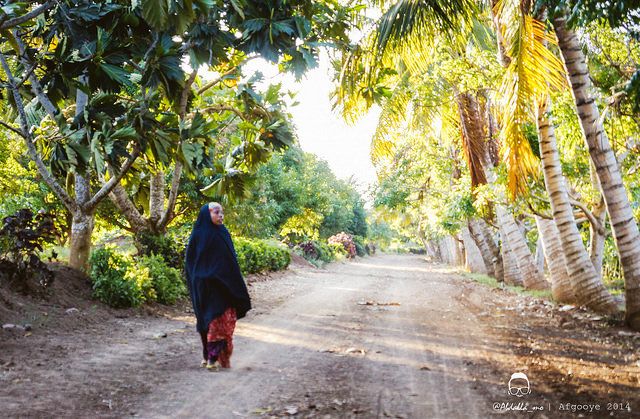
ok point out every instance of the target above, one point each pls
(411, 23)
(393, 115)
(533, 71)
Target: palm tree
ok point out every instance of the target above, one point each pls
(403, 29)
(586, 282)
(532, 73)
(623, 224)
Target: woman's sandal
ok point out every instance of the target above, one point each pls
(213, 367)
(203, 363)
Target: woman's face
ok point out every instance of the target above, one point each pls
(217, 215)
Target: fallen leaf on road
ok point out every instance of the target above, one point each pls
(262, 410)
(425, 368)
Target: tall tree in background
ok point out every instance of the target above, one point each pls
(109, 78)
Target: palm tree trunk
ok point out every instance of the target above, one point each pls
(623, 224)
(485, 250)
(561, 288)
(495, 249)
(597, 239)
(473, 258)
(512, 274)
(531, 277)
(586, 283)
(539, 257)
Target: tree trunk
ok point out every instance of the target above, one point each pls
(531, 277)
(156, 198)
(82, 222)
(473, 258)
(512, 274)
(597, 238)
(481, 168)
(495, 249)
(561, 288)
(80, 244)
(586, 283)
(539, 258)
(485, 250)
(624, 226)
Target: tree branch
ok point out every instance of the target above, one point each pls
(27, 16)
(120, 199)
(115, 179)
(597, 225)
(222, 76)
(173, 196)
(16, 130)
(222, 108)
(36, 87)
(60, 192)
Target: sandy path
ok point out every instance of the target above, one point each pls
(321, 352)
(385, 336)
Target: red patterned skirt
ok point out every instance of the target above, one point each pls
(220, 338)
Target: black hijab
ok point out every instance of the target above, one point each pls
(213, 275)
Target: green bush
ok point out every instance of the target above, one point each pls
(167, 247)
(338, 250)
(112, 282)
(259, 256)
(360, 246)
(313, 250)
(167, 282)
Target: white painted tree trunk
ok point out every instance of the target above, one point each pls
(539, 258)
(623, 224)
(586, 283)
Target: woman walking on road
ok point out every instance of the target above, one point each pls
(218, 291)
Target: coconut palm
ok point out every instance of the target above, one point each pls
(623, 224)
(533, 71)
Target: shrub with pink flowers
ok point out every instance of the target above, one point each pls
(346, 241)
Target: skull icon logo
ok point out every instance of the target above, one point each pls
(519, 384)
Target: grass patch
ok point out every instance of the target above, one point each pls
(493, 283)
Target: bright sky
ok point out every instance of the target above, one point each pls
(320, 131)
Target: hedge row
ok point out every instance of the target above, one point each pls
(123, 281)
(259, 256)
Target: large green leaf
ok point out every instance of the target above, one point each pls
(156, 13)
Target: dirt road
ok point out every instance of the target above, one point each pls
(388, 336)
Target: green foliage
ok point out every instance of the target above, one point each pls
(258, 256)
(314, 250)
(296, 194)
(167, 281)
(149, 244)
(112, 283)
(361, 250)
(122, 281)
(22, 238)
(301, 227)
